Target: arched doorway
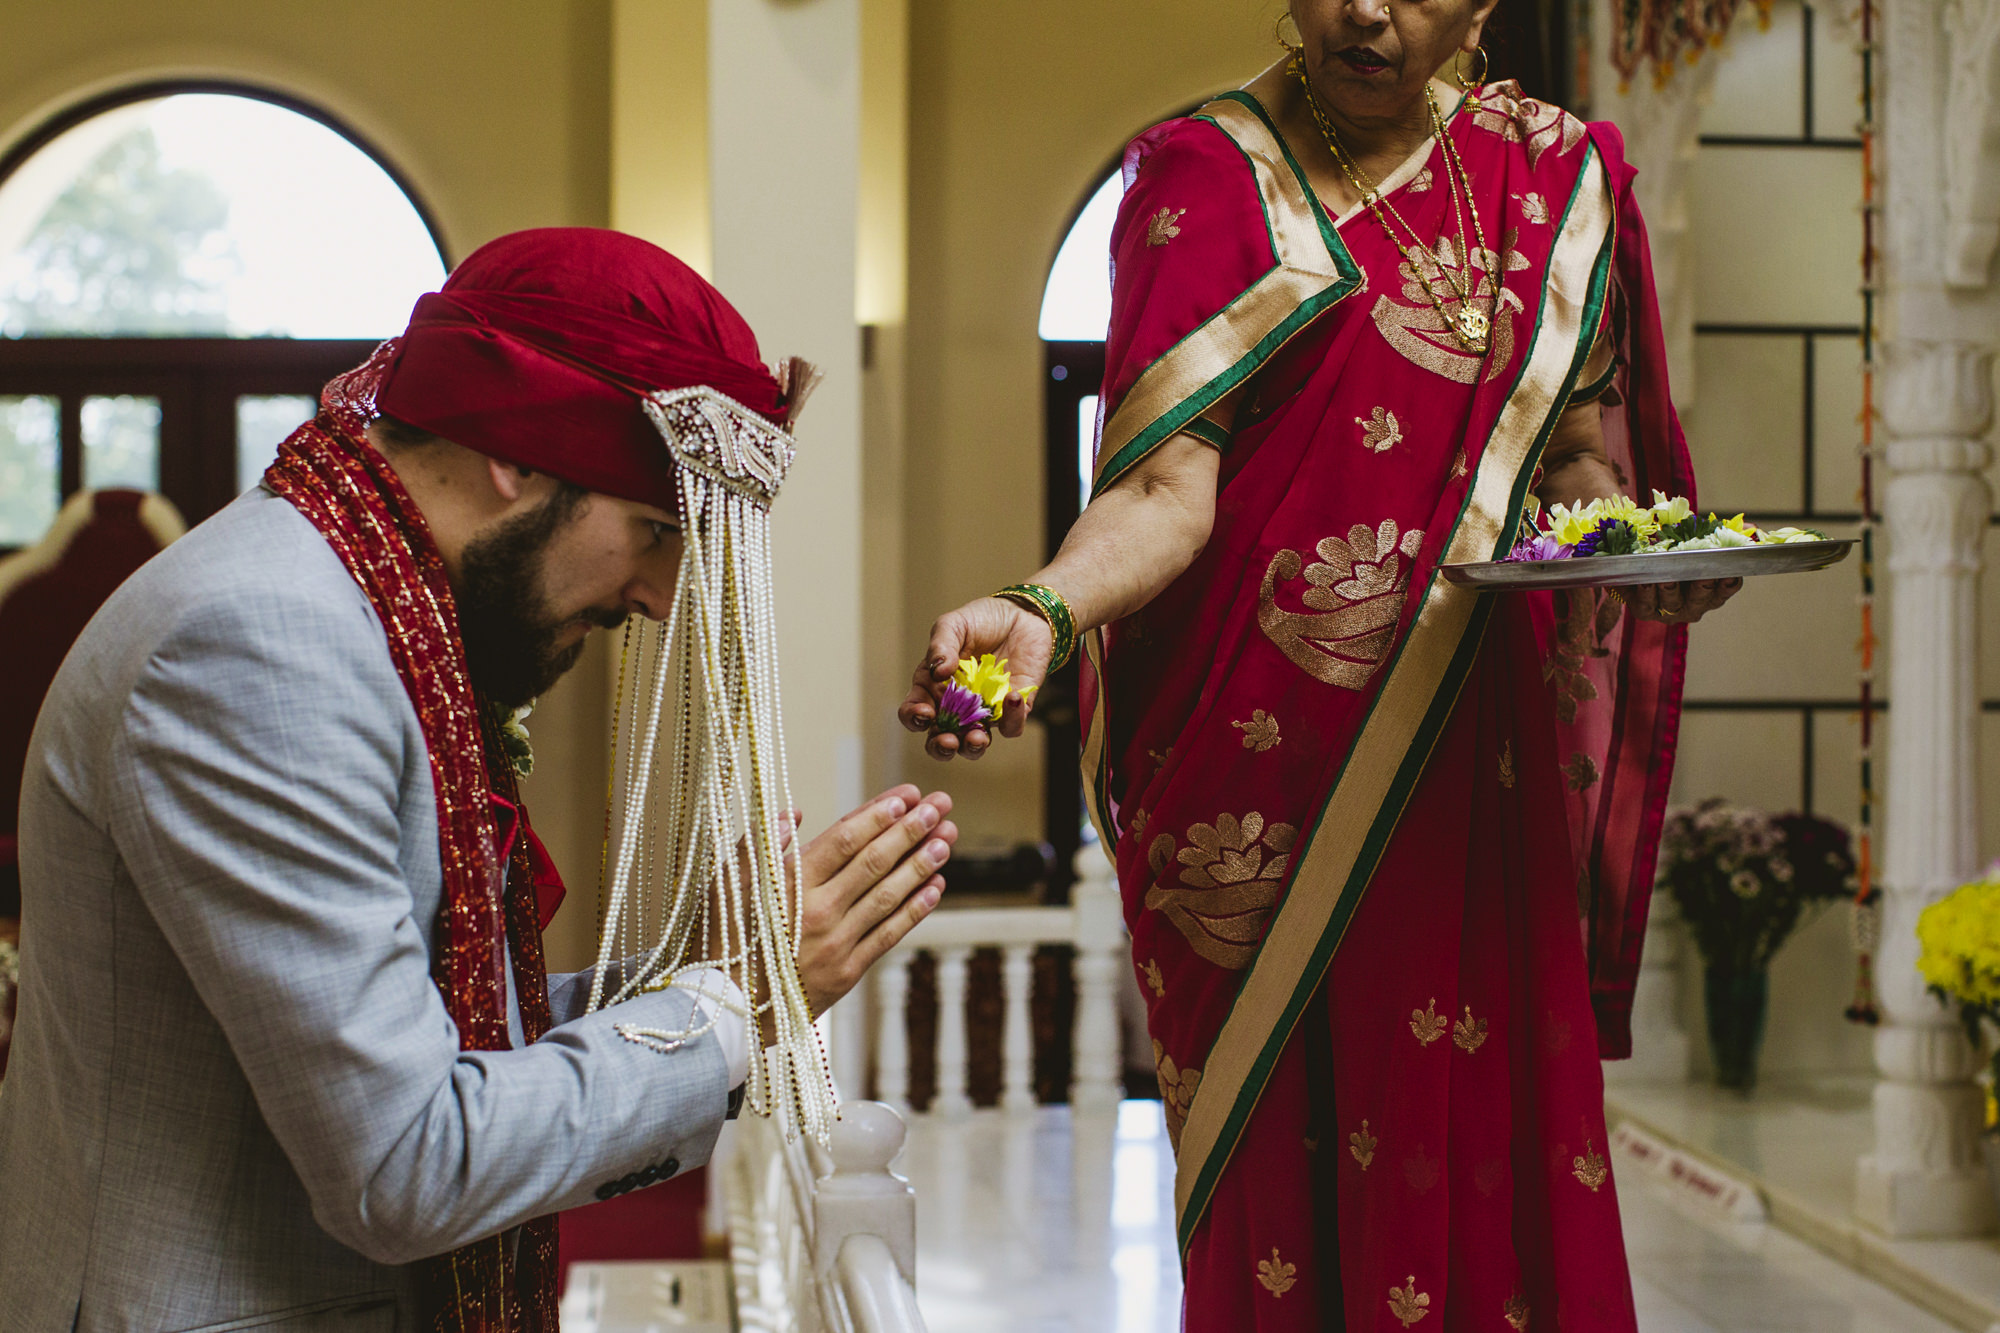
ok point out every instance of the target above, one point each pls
(181, 268)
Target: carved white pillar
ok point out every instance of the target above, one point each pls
(1925, 1176)
(951, 1098)
(1659, 1044)
(892, 1033)
(1017, 1043)
(1933, 99)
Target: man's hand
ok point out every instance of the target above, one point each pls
(867, 881)
(1011, 633)
(1680, 603)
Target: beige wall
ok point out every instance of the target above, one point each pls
(1015, 110)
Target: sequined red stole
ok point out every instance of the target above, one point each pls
(332, 475)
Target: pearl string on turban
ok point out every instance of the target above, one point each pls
(604, 361)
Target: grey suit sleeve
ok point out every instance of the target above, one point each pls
(259, 766)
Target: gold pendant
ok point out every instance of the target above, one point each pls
(1472, 327)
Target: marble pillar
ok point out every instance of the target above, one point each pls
(1925, 1176)
(1939, 324)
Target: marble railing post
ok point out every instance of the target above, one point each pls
(1925, 1176)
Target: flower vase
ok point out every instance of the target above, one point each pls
(1737, 1003)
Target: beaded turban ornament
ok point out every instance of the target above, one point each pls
(604, 361)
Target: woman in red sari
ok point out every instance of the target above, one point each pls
(1385, 843)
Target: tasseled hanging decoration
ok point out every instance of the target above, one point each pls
(1668, 33)
(1867, 907)
(696, 871)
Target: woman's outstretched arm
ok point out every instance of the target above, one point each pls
(1127, 545)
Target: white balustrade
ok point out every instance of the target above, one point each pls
(1092, 924)
(823, 1242)
(951, 1048)
(1017, 1037)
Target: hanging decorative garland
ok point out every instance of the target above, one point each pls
(1667, 33)
(1867, 919)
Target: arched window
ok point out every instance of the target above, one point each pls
(1076, 314)
(180, 270)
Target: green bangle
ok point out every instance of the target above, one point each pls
(1051, 606)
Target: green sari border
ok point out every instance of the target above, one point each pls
(1312, 271)
(1201, 1166)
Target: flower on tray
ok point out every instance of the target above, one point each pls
(1616, 525)
(1541, 546)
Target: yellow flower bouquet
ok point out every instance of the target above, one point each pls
(1960, 938)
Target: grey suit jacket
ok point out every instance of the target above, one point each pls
(235, 1097)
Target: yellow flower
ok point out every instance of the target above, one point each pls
(986, 678)
(1737, 524)
(1668, 512)
(1568, 525)
(1960, 939)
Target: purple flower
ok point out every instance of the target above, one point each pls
(959, 708)
(1541, 546)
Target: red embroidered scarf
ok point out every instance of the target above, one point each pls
(328, 470)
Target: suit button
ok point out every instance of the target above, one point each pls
(627, 1184)
(649, 1175)
(670, 1167)
(607, 1189)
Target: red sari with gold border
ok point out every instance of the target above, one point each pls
(1385, 844)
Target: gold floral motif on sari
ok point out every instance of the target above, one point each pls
(1580, 771)
(1426, 1024)
(1362, 1144)
(1358, 586)
(1508, 112)
(1421, 181)
(1232, 884)
(1153, 977)
(1468, 1033)
(1506, 765)
(1275, 1275)
(1177, 1089)
(1586, 620)
(1415, 323)
(1408, 1304)
(1589, 1167)
(1164, 226)
(1515, 1312)
(1380, 431)
(1260, 733)
(1534, 208)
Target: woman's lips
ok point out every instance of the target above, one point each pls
(1362, 60)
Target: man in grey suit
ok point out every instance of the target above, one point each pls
(239, 1095)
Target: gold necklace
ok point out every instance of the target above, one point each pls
(1470, 325)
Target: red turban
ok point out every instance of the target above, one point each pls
(540, 344)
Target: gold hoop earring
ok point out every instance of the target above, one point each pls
(1458, 71)
(1294, 45)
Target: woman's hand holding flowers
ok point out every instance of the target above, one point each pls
(1016, 641)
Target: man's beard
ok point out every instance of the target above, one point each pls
(509, 630)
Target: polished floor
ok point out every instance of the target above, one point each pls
(1034, 1225)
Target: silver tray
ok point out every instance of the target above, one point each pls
(1624, 571)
